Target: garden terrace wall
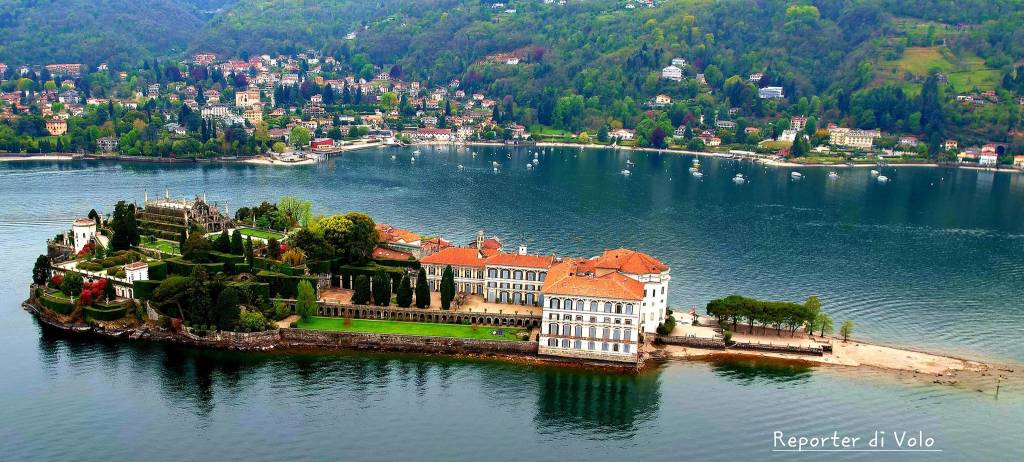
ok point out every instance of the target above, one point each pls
(794, 349)
(404, 343)
(425, 315)
(696, 342)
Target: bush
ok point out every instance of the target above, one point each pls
(727, 336)
(60, 305)
(252, 321)
(662, 329)
(281, 310)
(72, 283)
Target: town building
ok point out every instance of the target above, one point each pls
(247, 98)
(770, 92)
(215, 111)
(672, 73)
(56, 127)
(136, 271)
(107, 144)
(797, 123)
(622, 134)
(859, 139)
(1018, 161)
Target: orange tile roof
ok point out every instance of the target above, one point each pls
(522, 261)
(135, 265)
(385, 253)
(455, 256)
(571, 277)
(492, 243)
(630, 261)
(389, 233)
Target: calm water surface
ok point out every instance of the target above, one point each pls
(932, 259)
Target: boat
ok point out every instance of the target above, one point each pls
(698, 174)
(495, 169)
(412, 159)
(535, 161)
(535, 155)
(393, 157)
(495, 163)
(529, 166)
(630, 163)
(875, 173)
(796, 175)
(626, 172)
(694, 169)
(833, 175)
(696, 161)
(508, 155)
(416, 152)
(739, 179)
(883, 179)
(461, 167)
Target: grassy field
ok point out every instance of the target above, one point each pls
(260, 234)
(965, 73)
(412, 328)
(163, 245)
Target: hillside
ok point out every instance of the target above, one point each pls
(94, 31)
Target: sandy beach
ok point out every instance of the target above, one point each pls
(279, 163)
(39, 157)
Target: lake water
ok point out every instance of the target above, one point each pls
(932, 259)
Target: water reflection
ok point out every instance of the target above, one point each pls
(756, 371)
(596, 404)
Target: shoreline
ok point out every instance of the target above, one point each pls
(851, 355)
(266, 160)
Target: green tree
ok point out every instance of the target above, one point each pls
(228, 309)
(447, 287)
(299, 136)
(197, 248)
(381, 289)
(249, 257)
(422, 290)
(223, 242)
(812, 310)
(404, 296)
(824, 324)
(92, 214)
(72, 284)
(305, 303)
(125, 227)
(108, 290)
(199, 302)
(361, 290)
(41, 270)
(273, 249)
(846, 329)
(237, 246)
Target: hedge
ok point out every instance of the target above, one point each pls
(414, 264)
(283, 285)
(60, 305)
(221, 257)
(257, 289)
(104, 314)
(320, 267)
(243, 268)
(143, 290)
(182, 267)
(157, 270)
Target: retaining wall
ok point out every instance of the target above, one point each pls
(407, 343)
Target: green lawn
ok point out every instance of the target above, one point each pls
(162, 245)
(260, 234)
(411, 328)
(965, 73)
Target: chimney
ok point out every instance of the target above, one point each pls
(522, 249)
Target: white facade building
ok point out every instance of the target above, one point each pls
(83, 230)
(672, 73)
(136, 271)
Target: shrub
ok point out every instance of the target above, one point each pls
(281, 310)
(252, 321)
(305, 305)
(662, 329)
(727, 336)
(72, 283)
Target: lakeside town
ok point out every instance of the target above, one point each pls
(274, 276)
(296, 109)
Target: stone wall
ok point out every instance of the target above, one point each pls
(409, 343)
(696, 342)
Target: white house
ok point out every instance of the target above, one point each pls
(770, 92)
(672, 73)
(136, 271)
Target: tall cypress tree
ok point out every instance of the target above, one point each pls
(422, 290)
(404, 296)
(447, 287)
(361, 295)
(381, 289)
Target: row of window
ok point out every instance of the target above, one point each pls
(592, 346)
(568, 330)
(580, 305)
(516, 274)
(505, 285)
(457, 272)
(593, 319)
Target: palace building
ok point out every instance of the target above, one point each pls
(594, 308)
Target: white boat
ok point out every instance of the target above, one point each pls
(796, 175)
(833, 175)
(393, 157)
(494, 164)
(416, 152)
(738, 179)
(473, 154)
(412, 159)
(461, 167)
(535, 161)
(883, 179)
(626, 172)
(495, 169)
(630, 163)
(529, 166)
(698, 174)
(874, 173)
(508, 156)
(535, 155)
(696, 161)
(694, 169)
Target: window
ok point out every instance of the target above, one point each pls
(593, 306)
(626, 333)
(579, 331)
(567, 317)
(604, 346)
(617, 334)
(629, 308)
(430, 270)
(579, 318)
(552, 342)
(518, 275)
(553, 304)
(565, 343)
(590, 345)
(566, 330)
(504, 274)
(553, 329)
(553, 316)
(577, 345)
(625, 348)
(607, 307)
(618, 308)
(543, 275)
(604, 333)
(531, 276)
(593, 332)
(615, 347)
(492, 273)
(579, 305)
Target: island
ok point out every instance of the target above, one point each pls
(273, 276)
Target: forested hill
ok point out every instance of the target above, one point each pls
(94, 31)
